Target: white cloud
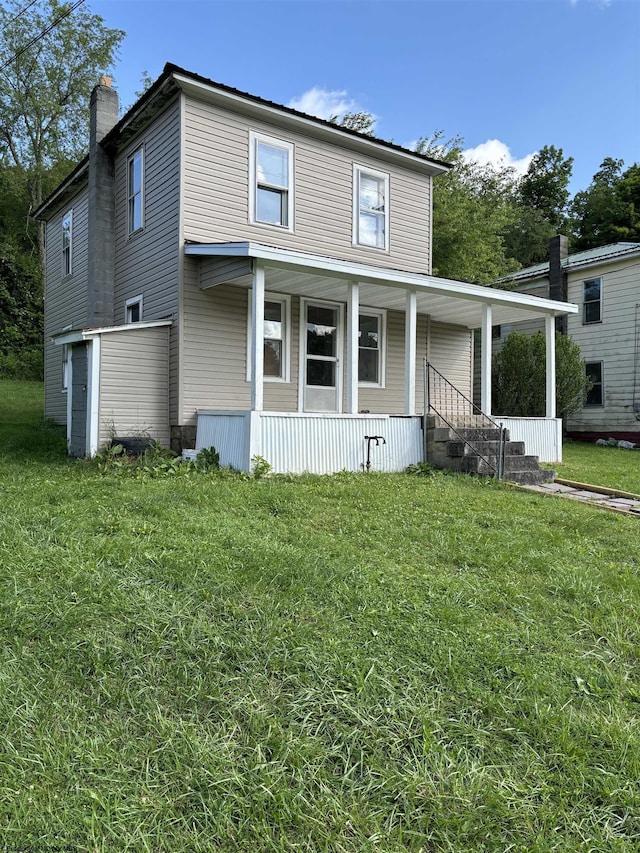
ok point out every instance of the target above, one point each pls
(323, 103)
(496, 153)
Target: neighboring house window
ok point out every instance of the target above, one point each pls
(592, 301)
(271, 176)
(370, 208)
(496, 332)
(135, 190)
(67, 243)
(371, 335)
(133, 309)
(277, 348)
(595, 397)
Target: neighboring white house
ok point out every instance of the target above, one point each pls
(225, 270)
(605, 284)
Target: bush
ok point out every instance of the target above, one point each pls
(519, 376)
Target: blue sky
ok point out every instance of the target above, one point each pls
(509, 76)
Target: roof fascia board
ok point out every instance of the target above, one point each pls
(237, 103)
(75, 336)
(302, 262)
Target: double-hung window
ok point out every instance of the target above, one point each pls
(592, 301)
(370, 208)
(67, 243)
(133, 309)
(271, 181)
(135, 191)
(371, 335)
(595, 395)
(276, 335)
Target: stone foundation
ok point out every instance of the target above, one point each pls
(183, 438)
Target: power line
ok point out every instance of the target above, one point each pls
(22, 11)
(42, 34)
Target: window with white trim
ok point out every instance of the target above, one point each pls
(592, 301)
(271, 181)
(135, 191)
(67, 243)
(65, 367)
(133, 310)
(371, 337)
(277, 339)
(595, 395)
(370, 208)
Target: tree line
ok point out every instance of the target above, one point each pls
(487, 222)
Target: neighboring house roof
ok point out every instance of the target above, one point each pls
(174, 79)
(589, 257)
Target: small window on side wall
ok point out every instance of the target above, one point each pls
(371, 336)
(133, 310)
(595, 395)
(370, 208)
(271, 179)
(67, 243)
(135, 191)
(592, 301)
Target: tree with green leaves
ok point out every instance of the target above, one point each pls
(519, 367)
(51, 56)
(472, 206)
(608, 211)
(541, 201)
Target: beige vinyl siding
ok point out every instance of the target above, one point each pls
(216, 193)
(134, 384)
(613, 342)
(450, 352)
(147, 262)
(65, 299)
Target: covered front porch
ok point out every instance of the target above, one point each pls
(355, 403)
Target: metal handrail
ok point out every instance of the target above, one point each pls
(463, 407)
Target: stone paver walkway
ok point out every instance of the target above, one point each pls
(606, 498)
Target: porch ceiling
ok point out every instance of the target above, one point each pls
(445, 300)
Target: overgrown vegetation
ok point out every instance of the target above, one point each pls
(357, 662)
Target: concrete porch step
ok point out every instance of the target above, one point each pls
(466, 433)
(488, 465)
(485, 448)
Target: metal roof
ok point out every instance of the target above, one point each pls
(601, 254)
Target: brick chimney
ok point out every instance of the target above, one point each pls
(558, 251)
(101, 214)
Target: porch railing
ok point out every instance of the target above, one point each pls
(457, 412)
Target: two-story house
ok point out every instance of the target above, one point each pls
(605, 284)
(222, 270)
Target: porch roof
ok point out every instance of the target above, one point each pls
(321, 277)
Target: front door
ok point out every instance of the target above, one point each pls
(78, 391)
(322, 347)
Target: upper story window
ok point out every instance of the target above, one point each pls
(133, 309)
(135, 190)
(67, 243)
(371, 336)
(271, 178)
(370, 208)
(592, 301)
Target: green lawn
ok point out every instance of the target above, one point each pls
(349, 663)
(600, 466)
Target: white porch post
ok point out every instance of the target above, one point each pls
(257, 338)
(550, 334)
(410, 326)
(352, 347)
(485, 359)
